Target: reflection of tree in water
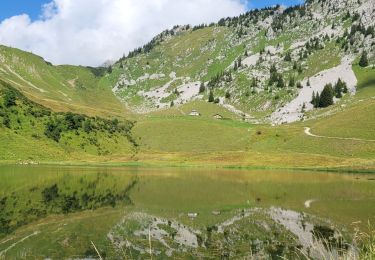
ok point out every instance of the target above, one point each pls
(329, 238)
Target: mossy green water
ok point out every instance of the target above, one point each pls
(169, 193)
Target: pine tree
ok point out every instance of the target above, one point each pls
(280, 82)
(317, 100)
(313, 99)
(345, 88)
(308, 82)
(339, 88)
(202, 88)
(364, 60)
(288, 57)
(326, 97)
(299, 69)
(295, 65)
(254, 83)
(211, 97)
(239, 62)
(292, 82)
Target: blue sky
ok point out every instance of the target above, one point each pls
(263, 3)
(10, 8)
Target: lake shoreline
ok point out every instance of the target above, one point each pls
(142, 164)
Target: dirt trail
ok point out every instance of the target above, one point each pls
(307, 132)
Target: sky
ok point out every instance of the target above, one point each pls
(87, 32)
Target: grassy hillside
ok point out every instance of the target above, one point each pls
(31, 132)
(61, 88)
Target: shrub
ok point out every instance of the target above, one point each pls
(6, 121)
(50, 193)
(87, 126)
(53, 130)
(9, 98)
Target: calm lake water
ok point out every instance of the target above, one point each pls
(193, 196)
(342, 197)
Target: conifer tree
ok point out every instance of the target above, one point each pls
(326, 97)
(211, 97)
(280, 82)
(239, 62)
(202, 88)
(313, 99)
(288, 57)
(292, 82)
(339, 88)
(364, 60)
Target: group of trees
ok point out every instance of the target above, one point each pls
(281, 19)
(9, 100)
(221, 76)
(252, 17)
(9, 104)
(66, 122)
(237, 64)
(351, 37)
(16, 111)
(325, 98)
(211, 98)
(198, 27)
(276, 77)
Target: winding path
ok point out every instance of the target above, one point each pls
(307, 132)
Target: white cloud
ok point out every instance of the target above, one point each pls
(90, 32)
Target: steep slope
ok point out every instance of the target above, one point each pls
(253, 62)
(62, 88)
(30, 132)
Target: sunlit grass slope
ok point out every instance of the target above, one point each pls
(62, 88)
